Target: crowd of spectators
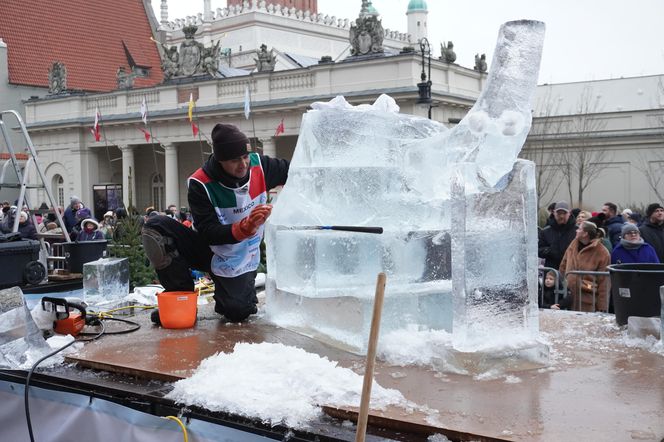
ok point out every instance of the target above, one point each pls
(578, 244)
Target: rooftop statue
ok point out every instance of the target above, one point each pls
(366, 35)
(447, 53)
(266, 60)
(57, 78)
(480, 63)
(192, 58)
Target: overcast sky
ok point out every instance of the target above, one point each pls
(585, 39)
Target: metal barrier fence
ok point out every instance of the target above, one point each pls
(593, 287)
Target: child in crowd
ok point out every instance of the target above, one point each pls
(548, 295)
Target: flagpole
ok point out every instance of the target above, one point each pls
(253, 124)
(103, 132)
(154, 153)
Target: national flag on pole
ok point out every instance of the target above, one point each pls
(194, 128)
(247, 104)
(144, 111)
(191, 107)
(280, 128)
(96, 132)
(146, 133)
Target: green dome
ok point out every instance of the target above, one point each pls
(417, 5)
(371, 10)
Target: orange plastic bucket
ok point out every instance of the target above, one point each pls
(177, 309)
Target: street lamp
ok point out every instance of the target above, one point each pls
(424, 87)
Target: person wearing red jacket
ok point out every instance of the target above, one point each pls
(228, 202)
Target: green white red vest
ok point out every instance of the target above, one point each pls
(232, 205)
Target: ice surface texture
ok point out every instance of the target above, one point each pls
(105, 280)
(371, 166)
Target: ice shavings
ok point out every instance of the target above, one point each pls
(277, 384)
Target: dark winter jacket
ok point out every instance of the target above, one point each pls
(69, 217)
(553, 242)
(653, 234)
(645, 253)
(205, 218)
(613, 227)
(27, 230)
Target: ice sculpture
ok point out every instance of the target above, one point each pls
(457, 207)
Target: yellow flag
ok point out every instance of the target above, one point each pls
(191, 106)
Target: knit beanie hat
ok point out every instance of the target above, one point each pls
(228, 142)
(83, 213)
(651, 209)
(628, 227)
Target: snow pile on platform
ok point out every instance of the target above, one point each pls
(276, 383)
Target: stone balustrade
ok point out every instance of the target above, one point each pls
(272, 9)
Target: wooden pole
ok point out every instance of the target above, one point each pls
(363, 416)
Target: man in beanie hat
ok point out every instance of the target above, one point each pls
(69, 216)
(227, 199)
(586, 253)
(632, 248)
(652, 229)
(554, 238)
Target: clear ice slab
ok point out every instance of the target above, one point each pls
(457, 208)
(105, 281)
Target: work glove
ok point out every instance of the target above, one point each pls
(248, 226)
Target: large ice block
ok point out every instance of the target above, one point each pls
(105, 281)
(457, 208)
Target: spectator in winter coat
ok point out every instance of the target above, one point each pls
(90, 231)
(26, 229)
(69, 216)
(583, 215)
(81, 214)
(613, 223)
(586, 253)
(554, 239)
(632, 248)
(652, 230)
(548, 298)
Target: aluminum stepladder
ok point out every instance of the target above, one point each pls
(23, 176)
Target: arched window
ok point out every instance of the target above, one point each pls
(58, 189)
(158, 192)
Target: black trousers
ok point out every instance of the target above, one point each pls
(235, 298)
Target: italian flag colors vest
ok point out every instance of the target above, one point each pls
(232, 205)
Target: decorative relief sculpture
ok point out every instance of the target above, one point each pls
(366, 35)
(57, 78)
(193, 58)
(266, 60)
(447, 53)
(125, 80)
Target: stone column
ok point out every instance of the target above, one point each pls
(269, 146)
(171, 178)
(128, 175)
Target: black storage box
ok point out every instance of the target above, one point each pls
(635, 290)
(80, 252)
(14, 258)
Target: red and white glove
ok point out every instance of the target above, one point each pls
(248, 226)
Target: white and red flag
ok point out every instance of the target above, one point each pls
(96, 130)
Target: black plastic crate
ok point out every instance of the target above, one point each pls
(14, 258)
(80, 252)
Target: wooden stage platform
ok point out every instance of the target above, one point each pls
(598, 386)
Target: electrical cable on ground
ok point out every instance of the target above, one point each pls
(96, 320)
(32, 370)
(185, 437)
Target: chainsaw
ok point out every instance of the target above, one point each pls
(65, 322)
